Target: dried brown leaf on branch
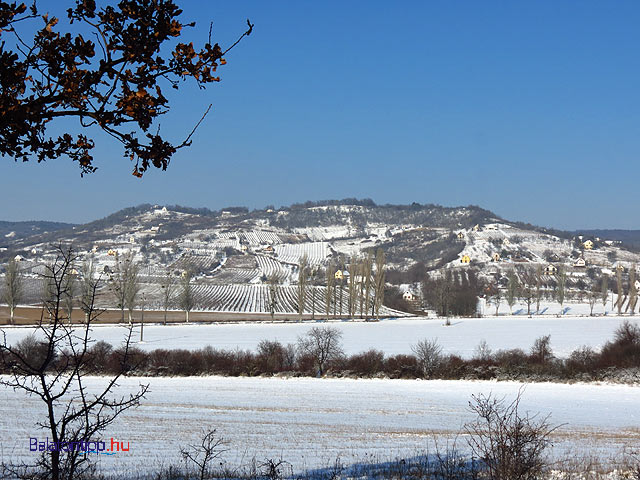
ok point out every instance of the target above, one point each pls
(111, 80)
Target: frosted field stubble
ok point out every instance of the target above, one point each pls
(309, 422)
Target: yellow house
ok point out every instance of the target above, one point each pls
(338, 275)
(112, 253)
(465, 259)
(588, 245)
(550, 270)
(460, 235)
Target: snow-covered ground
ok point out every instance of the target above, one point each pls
(309, 422)
(392, 336)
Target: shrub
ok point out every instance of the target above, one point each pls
(510, 444)
(402, 366)
(582, 360)
(366, 363)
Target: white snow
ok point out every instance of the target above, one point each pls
(309, 422)
(392, 336)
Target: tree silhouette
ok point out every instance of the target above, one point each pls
(110, 77)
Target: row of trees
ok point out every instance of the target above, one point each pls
(529, 286)
(82, 279)
(365, 286)
(357, 287)
(456, 292)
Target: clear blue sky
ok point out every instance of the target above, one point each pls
(529, 109)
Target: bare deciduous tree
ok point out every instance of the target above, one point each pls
(541, 349)
(367, 270)
(329, 292)
(620, 299)
(187, 298)
(70, 292)
(13, 287)
(88, 286)
(513, 289)
(168, 287)
(604, 292)
(124, 282)
(52, 369)
(379, 282)
(274, 283)
(429, 355)
(132, 287)
(323, 344)
(353, 287)
(482, 351)
(303, 283)
(538, 287)
(633, 291)
(561, 289)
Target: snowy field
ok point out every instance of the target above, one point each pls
(309, 422)
(392, 336)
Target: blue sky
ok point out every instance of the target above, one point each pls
(531, 110)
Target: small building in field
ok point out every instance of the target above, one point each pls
(550, 270)
(339, 275)
(112, 253)
(466, 259)
(268, 249)
(18, 258)
(460, 235)
(476, 228)
(495, 257)
(588, 245)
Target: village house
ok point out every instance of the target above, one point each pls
(495, 257)
(460, 235)
(550, 270)
(466, 259)
(408, 296)
(580, 263)
(341, 275)
(588, 245)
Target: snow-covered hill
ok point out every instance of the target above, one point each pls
(236, 247)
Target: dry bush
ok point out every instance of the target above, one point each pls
(273, 357)
(624, 350)
(582, 360)
(402, 366)
(509, 443)
(366, 363)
